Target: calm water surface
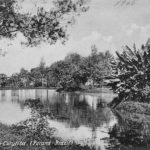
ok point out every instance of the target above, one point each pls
(83, 118)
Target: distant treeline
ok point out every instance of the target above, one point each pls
(128, 73)
(72, 73)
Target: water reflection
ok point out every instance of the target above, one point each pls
(132, 132)
(80, 117)
(83, 118)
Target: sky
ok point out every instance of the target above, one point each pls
(105, 25)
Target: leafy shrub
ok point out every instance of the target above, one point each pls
(133, 70)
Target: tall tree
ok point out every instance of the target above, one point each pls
(24, 77)
(42, 71)
(73, 58)
(98, 64)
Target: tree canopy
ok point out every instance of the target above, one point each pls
(44, 26)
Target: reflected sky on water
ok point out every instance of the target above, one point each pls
(80, 117)
(77, 116)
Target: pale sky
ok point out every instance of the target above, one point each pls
(106, 26)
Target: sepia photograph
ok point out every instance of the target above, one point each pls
(74, 75)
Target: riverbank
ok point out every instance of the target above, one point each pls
(138, 111)
(27, 88)
(93, 90)
(133, 127)
(103, 89)
(7, 136)
(133, 111)
(134, 107)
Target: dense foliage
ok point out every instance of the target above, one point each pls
(133, 69)
(72, 73)
(46, 25)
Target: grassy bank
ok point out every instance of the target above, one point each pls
(134, 107)
(133, 112)
(7, 135)
(130, 110)
(132, 130)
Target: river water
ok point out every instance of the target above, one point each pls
(81, 117)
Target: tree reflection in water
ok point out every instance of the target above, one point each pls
(37, 129)
(132, 132)
(71, 113)
(77, 111)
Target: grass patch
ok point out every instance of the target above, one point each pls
(134, 107)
